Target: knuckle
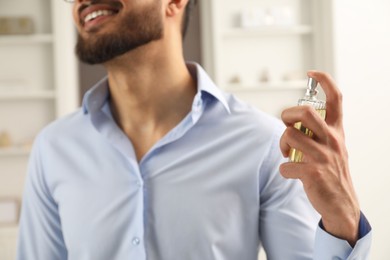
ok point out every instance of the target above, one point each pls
(318, 175)
(324, 129)
(339, 96)
(308, 112)
(323, 76)
(327, 75)
(325, 158)
(290, 133)
(335, 143)
(283, 115)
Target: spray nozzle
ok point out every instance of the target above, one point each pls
(311, 87)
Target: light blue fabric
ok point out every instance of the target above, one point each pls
(209, 190)
(340, 249)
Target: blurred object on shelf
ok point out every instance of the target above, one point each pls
(265, 76)
(269, 18)
(284, 16)
(252, 18)
(16, 25)
(235, 80)
(272, 16)
(294, 75)
(26, 144)
(9, 211)
(5, 139)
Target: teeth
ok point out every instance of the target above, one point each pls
(96, 14)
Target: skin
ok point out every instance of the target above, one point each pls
(152, 91)
(151, 88)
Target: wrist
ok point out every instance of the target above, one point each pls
(346, 228)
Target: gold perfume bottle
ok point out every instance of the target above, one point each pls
(310, 99)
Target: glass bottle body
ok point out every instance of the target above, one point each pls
(320, 106)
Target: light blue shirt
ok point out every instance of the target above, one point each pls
(208, 190)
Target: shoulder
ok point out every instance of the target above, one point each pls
(264, 123)
(63, 127)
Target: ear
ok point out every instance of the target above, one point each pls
(175, 7)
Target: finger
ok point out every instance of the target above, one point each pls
(334, 111)
(309, 118)
(293, 138)
(291, 170)
(284, 145)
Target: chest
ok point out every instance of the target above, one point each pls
(193, 191)
(163, 202)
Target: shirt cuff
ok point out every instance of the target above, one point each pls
(330, 247)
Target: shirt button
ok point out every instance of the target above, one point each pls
(136, 241)
(139, 184)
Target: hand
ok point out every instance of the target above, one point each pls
(324, 171)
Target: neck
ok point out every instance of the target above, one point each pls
(151, 92)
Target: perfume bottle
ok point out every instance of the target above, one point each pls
(310, 99)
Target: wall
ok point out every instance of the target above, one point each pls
(362, 65)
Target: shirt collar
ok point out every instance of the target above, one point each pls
(97, 96)
(205, 84)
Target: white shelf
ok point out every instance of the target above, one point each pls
(9, 229)
(14, 151)
(28, 95)
(269, 31)
(272, 86)
(26, 39)
(35, 70)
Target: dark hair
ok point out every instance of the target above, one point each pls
(187, 16)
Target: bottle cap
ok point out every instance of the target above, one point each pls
(311, 87)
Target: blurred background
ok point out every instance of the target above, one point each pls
(258, 50)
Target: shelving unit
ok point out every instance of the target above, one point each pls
(270, 86)
(26, 39)
(29, 95)
(13, 151)
(39, 71)
(38, 83)
(268, 31)
(8, 236)
(266, 58)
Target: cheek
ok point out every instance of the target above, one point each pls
(76, 21)
(75, 15)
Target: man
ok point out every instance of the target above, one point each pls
(160, 164)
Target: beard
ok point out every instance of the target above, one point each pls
(137, 28)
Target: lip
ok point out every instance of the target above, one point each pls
(85, 11)
(89, 26)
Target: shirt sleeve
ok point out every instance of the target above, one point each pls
(341, 248)
(288, 224)
(40, 235)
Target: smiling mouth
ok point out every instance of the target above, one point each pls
(96, 14)
(92, 15)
